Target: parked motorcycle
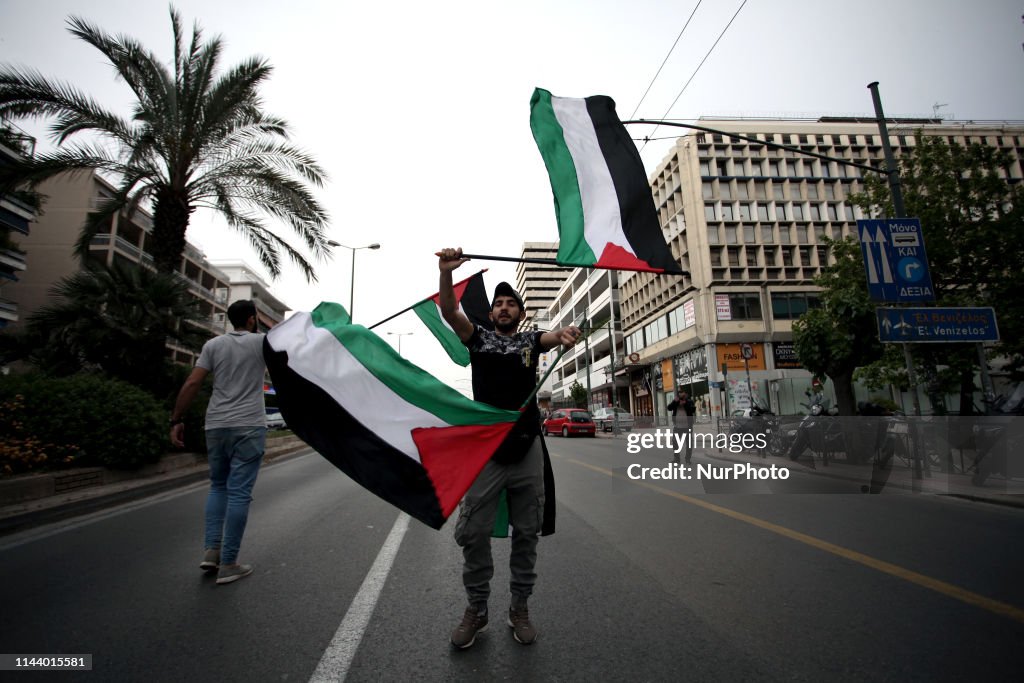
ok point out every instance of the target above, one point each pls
(820, 431)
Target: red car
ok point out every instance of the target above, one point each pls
(570, 421)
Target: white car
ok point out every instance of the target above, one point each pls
(275, 420)
(604, 418)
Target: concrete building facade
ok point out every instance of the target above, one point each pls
(748, 222)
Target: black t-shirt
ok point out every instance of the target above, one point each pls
(504, 374)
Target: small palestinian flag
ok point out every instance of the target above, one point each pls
(472, 299)
(393, 428)
(604, 206)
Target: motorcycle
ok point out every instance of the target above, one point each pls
(818, 431)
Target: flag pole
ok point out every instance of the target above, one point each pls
(555, 264)
(409, 308)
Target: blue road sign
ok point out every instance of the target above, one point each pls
(937, 324)
(895, 260)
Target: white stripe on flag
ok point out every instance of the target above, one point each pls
(325, 362)
(601, 218)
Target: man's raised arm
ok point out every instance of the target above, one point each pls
(447, 261)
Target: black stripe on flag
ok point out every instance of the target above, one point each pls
(316, 418)
(636, 203)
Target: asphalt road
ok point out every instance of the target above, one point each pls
(643, 581)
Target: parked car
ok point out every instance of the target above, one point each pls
(569, 422)
(604, 418)
(275, 420)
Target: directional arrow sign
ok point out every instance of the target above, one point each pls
(895, 260)
(937, 325)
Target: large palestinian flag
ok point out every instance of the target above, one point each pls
(472, 300)
(393, 428)
(605, 210)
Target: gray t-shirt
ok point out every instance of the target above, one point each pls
(236, 361)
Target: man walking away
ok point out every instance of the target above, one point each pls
(236, 434)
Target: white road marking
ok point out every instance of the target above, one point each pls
(338, 656)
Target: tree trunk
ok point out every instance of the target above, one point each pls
(170, 221)
(846, 402)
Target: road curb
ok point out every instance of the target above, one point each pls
(48, 510)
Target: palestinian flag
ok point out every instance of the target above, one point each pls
(396, 430)
(472, 300)
(604, 206)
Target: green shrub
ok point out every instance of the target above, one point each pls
(83, 420)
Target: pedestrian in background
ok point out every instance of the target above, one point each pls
(683, 410)
(236, 434)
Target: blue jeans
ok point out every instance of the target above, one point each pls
(234, 454)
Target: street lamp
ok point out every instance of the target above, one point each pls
(352, 284)
(400, 335)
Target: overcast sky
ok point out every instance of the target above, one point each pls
(419, 111)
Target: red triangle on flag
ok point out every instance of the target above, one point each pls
(453, 469)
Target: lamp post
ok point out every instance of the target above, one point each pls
(399, 335)
(352, 284)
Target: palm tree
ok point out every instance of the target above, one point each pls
(113, 318)
(197, 138)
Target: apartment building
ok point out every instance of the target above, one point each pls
(748, 222)
(16, 216)
(49, 251)
(244, 282)
(538, 283)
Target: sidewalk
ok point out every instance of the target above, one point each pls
(35, 499)
(997, 490)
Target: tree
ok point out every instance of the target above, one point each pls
(840, 335)
(116, 318)
(578, 392)
(973, 226)
(197, 138)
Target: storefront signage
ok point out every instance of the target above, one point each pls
(784, 354)
(723, 311)
(732, 356)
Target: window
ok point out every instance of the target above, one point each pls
(777, 191)
(727, 212)
(803, 234)
(725, 190)
(830, 192)
(792, 305)
(784, 235)
(730, 235)
(657, 330)
(751, 257)
(819, 233)
(759, 191)
(780, 212)
(812, 191)
(809, 169)
(744, 212)
(748, 234)
(705, 168)
(745, 305)
(848, 212)
(734, 256)
(787, 256)
(805, 255)
(767, 234)
(707, 190)
(833, 212)
(762, 212)
(798, 212)
(713, 234)
(741, 191)
(791, 169)
(794, 190)
(815, 212)
(773, 168)
(709, 212)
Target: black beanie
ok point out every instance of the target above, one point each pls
(505, 289)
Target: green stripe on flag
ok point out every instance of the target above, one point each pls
(573, 248)
(431, 317)
(406, 380)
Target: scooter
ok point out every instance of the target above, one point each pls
(819, 432)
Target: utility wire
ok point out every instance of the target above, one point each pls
(700, 65)
(633, 115)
